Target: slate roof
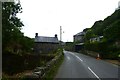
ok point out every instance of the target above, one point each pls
(80, 34)
(46, 39)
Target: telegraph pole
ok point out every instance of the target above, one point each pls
(60, 33)
(61, 37)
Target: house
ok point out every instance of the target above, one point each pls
(79, 37)
(98, 39)
(45, 44)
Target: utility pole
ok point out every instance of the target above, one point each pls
(60, 33)
(61, 37)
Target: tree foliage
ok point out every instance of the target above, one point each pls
(97, 27)
(89, 34)
(13, 39)
(112, 32)
(109, 28)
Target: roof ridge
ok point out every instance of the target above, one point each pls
(46, 39)
(43, 36)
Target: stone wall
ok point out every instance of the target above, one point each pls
(39, 72)
(45, 47)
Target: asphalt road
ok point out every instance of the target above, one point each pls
(77, 65)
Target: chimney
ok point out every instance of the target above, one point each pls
(36, 34)
(55, 35)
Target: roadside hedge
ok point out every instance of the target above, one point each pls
(107, 50)
(12, 63)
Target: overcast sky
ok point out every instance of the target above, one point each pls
(46, 16)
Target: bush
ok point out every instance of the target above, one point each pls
(13, 63)
(106, 49)
(92, 46)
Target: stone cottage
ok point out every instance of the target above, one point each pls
(45, 44)
(79, 37)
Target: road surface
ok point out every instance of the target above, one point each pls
(77, 65)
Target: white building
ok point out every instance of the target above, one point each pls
(96, 39)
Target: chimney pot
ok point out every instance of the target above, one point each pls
(36, 34)
(55, 35)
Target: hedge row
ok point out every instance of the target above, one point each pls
(12, 63)
(107, 50)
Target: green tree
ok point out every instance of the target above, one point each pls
(27, 44)
(89, 34)
(97, 28)
(112, 32)
(11, 25)
(13, 39)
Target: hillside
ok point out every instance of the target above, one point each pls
(109, 28)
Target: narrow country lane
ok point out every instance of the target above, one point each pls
(77, 65)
